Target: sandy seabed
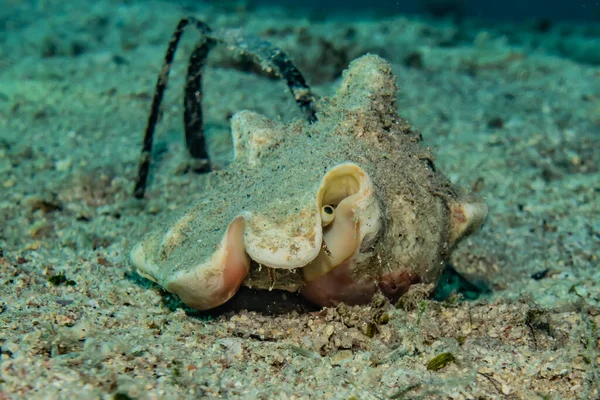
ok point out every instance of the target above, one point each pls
(512, 112)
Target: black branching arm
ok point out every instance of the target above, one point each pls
(266, 55)
(192, 106)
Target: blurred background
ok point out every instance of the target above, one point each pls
(557, 10)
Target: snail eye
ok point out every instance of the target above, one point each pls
(327, 214)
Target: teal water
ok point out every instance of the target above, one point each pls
(506, 95)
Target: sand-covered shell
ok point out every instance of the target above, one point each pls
(338, 209)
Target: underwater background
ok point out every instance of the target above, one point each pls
(506, 95)
(511, 10)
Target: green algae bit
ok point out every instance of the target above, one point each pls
(440, 361)
(61, 279)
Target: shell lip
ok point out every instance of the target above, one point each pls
(346, 188)
(341, 216)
